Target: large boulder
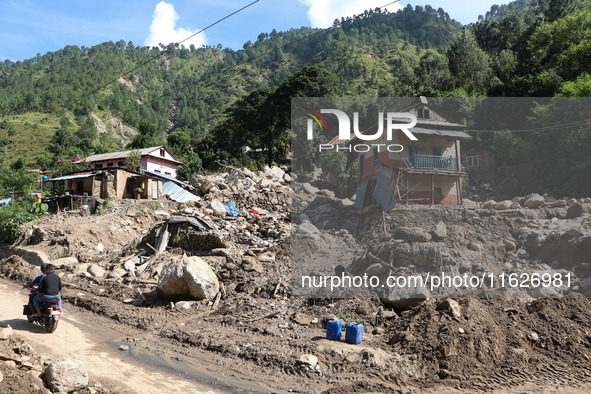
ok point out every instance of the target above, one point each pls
(66, 376)
(534, 201)
(96, 271)
(65, 262)
(490, 204)
(412, 234)
(404, 298)
(274, 173)
(218, 208)
(188, 278)
(577, 209)
(309, 188)
(439, 231)
(6, 332)
(503, 205)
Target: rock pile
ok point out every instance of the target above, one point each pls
(268, 189)
(535, 201)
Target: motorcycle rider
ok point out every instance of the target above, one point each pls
(33, 283)
(49, 289)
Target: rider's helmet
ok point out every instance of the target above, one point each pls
(43, 267)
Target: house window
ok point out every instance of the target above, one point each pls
(437, 151)
(423, 113)
(168, 173)
(162, 153)
(472, 160)
(158, 171)
(109, 164)
(98, 166)
(121, 164)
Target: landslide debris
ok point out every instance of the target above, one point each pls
(259, 328)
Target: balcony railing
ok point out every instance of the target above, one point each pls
(432, 162)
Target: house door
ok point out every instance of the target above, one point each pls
(154, 190)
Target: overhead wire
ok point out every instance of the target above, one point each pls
(250, 59)
(169, 48)
(536, 129)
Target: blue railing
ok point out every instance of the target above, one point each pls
(434, 162)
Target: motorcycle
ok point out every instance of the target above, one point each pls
(50, 313)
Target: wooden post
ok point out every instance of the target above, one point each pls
(384, 221)
(407, 189)
(457, 155)
(461, 195)
(432, 191)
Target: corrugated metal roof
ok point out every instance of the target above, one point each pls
(441, 133)
(169, 178)
(197, 222)
(426, 122)
(418, 130)
(63, 178)
(360, 196)
(177, 193)
(383, 193)
(123, 155)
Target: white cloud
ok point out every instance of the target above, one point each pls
(322, 13)
(163, 29)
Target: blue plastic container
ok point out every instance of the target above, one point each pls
(333, 330)
(354, 333)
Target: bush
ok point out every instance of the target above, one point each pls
(13, 216)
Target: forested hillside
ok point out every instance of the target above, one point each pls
(206, 103)
(187, 89)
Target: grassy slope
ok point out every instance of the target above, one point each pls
(34, 130)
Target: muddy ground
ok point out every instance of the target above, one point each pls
(258, 331)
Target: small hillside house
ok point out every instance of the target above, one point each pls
(427, 171)
(156, 159)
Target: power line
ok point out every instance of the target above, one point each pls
(537, 129)
(249, 60)
(168, 49)
(147, 61)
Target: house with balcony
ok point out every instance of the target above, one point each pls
(156, 159)
(427, 171)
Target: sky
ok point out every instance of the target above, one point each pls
(28, 27)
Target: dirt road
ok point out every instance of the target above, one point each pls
(76, 339)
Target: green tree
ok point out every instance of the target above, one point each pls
(433, 71)
(179, 142)
(191, 165)
(16, 181)
(146, 137)
(7, 133)
(132, 161)
(469, 65)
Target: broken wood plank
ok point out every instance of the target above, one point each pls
(19, 362)
(375, 259)
(272, 314)
(151, 247)
(277, 288)
(217, 300)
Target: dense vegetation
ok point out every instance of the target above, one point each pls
(187, 90)
(206, 103)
